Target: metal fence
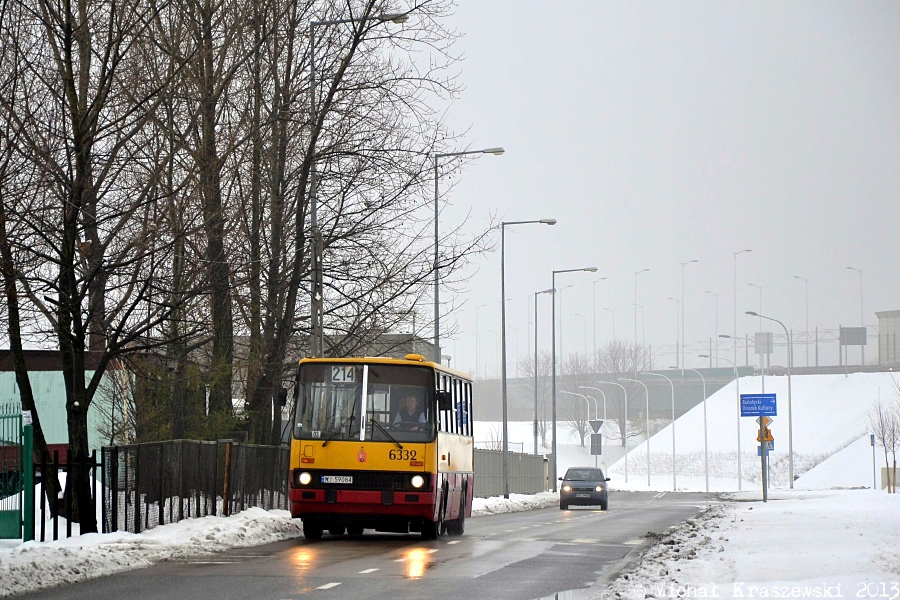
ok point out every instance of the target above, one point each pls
(527, 473)
(145, 485)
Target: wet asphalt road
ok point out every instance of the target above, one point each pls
(515, 556)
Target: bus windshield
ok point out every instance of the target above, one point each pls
(398, 405)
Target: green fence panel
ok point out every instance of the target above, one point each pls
(12, 472)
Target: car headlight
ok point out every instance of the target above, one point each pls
(417, 481)
(567, 488)
(304, 478)
(599, 488)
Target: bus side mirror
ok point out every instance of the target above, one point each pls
(281, 396)
(444, 400)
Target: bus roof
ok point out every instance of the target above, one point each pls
(411, 360)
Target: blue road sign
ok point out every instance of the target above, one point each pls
(758, 405)
(770, 447)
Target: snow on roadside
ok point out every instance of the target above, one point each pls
(94, 555)
(835, 543)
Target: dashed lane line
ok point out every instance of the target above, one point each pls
(328, 586)
(367, 571)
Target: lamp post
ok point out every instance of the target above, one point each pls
(437, 291)
(587, 387)
(806, 287)
(316, 330)
(705, 434)
(647, 394)
(561, 328)
(787, 336)
(672, 386)
(583, 330)
(734, 346)
(613, 321)
(594, 314)
(862, 319)
(503, 227)
(536, 294)
(683, 339)
(624, 428)
(677, 328)
(716, 302)
(636, 273)
(588, 410)
(553, 360)
(737, 386)
(477, 363)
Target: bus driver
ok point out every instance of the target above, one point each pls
(408, 415)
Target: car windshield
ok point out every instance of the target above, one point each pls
(584, 474)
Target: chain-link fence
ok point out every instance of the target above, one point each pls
(145, 485)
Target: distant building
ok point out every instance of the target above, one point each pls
(888, 344)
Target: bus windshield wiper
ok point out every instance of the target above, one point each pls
(386, 432)
(339, 429)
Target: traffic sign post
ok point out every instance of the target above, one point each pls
(762, 406)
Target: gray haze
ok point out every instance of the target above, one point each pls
(659, 133)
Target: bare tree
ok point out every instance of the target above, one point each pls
(617, 359)
(527, 366)
(577, 371)
(884, 424)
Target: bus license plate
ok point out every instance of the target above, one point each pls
(337, 479)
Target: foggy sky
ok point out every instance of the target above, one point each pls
(659, 133)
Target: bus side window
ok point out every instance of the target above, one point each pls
(468, 404)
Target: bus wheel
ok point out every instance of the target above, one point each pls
(354, 531)
(336, 530)
(431, 531)
(458, 527)
(312, 530)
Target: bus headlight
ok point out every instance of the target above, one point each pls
(417, 481)
(304, 478)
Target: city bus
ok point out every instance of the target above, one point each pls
(360, 461)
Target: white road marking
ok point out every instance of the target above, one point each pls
(584, 541)
(453, 542)
(660, 495)
(633, 542)
(212, 562)
(367, 571)
(433, 550)
(328, 586)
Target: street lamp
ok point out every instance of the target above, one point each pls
(677, 328)
(683, 340)
(672, 386)
(734, 346)
(588, 409)
(624, 428)
(594, 313)
(587, 387)
(716, 301)
(437, 312)
(316, 330)
(477, 363)
(647, 394)
(561, 328)
(737, 385)
(862, 320)
(705, 435)
(790, 421)
(503, 227)
(806, 287)
(553, 360)
(636, 273)
(583, 331)
(612, 314)
(536, 294)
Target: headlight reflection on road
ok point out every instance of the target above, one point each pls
(303, 559)
(416, 563)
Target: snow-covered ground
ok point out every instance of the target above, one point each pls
(812, 541)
